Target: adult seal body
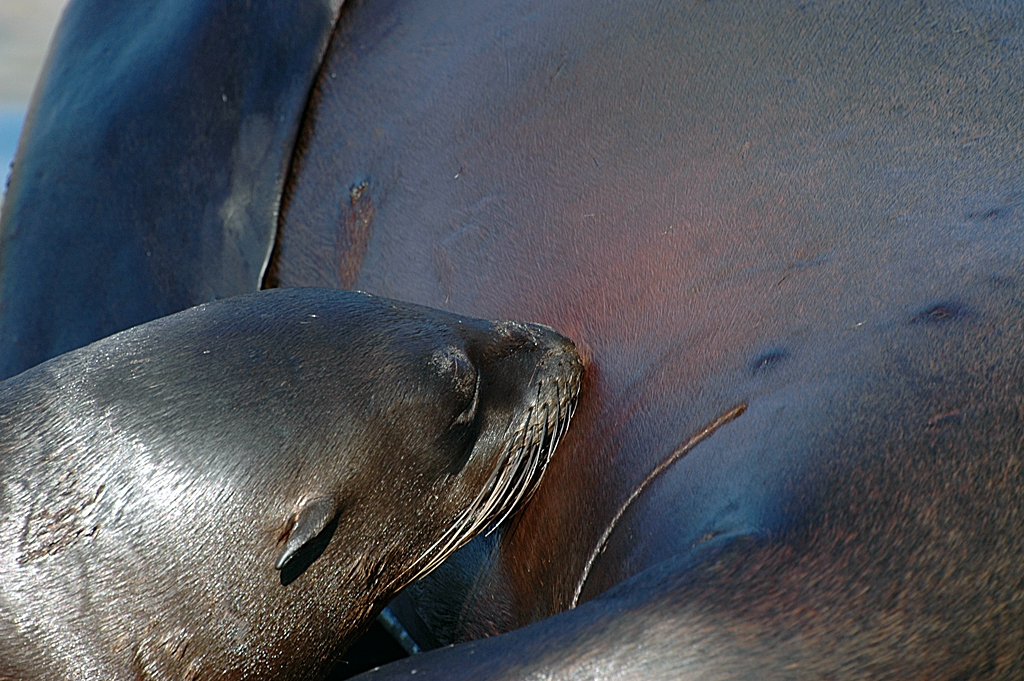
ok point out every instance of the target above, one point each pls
(789, 237)
(236, 490)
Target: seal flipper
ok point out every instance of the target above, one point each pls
(310, 521)
(159, 139)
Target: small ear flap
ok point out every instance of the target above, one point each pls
(311, 520)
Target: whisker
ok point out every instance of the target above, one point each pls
(515, 478)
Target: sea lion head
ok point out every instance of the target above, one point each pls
(456, 418)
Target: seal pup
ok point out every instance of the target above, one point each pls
(236, 490)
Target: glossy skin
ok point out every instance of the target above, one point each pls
(236, 491)
(149, 171)
(811, 209)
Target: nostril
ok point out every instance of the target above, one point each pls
(514, 334)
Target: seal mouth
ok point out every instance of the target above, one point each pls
(517, 473)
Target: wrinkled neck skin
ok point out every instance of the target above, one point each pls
(805, 210)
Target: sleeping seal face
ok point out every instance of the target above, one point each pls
(234, 491)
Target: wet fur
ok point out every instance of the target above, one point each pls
(152, 484)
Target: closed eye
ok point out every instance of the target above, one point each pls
(469, 413)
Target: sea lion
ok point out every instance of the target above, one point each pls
(235, 491)
(786, 236)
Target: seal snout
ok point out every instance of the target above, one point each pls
(559, 368)
(530, 378)
(548, 403)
